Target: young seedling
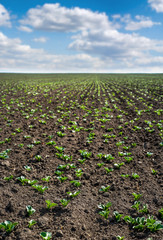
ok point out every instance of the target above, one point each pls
(49, 204)
(58, 172)
(85, 154)
(32, 182)
(149, 154)
(31, 223)
(104, 213)
(160, 212)
(136, 196)
(76, 183)
(60, 149)
(120, 238)
(108, 157)
(135, 175)
(8, 178)
(46, 179)
(109, 170)
(64, 202)
(30, 210)
(78, 172)
(61, 179)
(117, 216)
(125, 175)
(40, 188)
(38, 157)
(61, 134)
(105, 206)
(104, 189)
(136, 205)
(118, 165)
(8, 226)
(100, 155)
(154, 172)
(81, 160)
(100, 164)
(73, 194)
(51, 143)
(144, 209)
(62, 167)
(46, 235)
(22, 179)
(128, 159)
(153, 225)
(28, 168)
(4, 154)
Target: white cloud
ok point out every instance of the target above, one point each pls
(16, 56)
(142, 22)
(41, 39)
(100, 46)
(157, 5)
(4, 17)
(53, 17)
(25, 29)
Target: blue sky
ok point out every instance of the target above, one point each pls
(81, 36)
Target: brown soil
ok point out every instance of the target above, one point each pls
(81, 218)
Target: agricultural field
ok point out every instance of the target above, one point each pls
(81, 157)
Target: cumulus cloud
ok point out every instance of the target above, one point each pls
(53, 17)
(41, 39)
(100, 45)
(4, 17)
(157, 5)
(14, 55)
(25, 29)
(141, 22)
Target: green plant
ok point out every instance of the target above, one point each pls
(38, 157)
(154, 172)
(30, 210)
(108, 157)
(78, 172)
(64, 202)
(136, 205)
(109, 170)
(104, 213)
(62, 179)
(40, 188)
(8, 226)
(85, 154)
(118, 165)
(22, 179)
(61, 134)
(4, 154)
(120, 238)
(161, 213)
(153, 225)
(49, 204)
(100, 164)
(8, 178)
(28, 168)
(117, 216)
(46, 235)
(136, 196)
(104, 189)
(73, 194)
(60, 149)
(46, 179)
(100, 155)
(135, 175)
(31, 223)
(76, 183)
